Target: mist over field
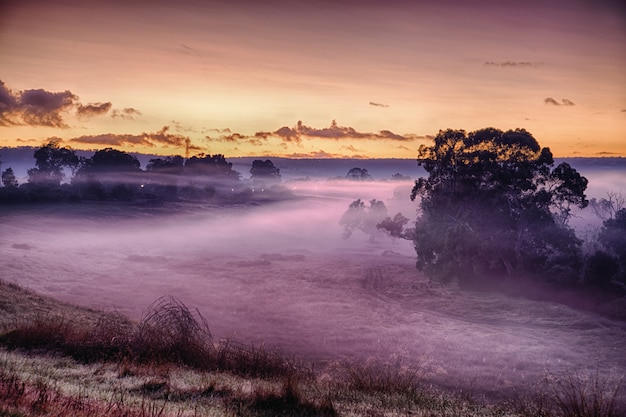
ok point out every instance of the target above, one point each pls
(280, 274)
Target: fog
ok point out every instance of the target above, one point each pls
(280, 274)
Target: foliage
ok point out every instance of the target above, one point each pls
(363, 218)
(613, 237)
(264, 170)
(8, 178)
(49, 161)
(396, 227)
(211, 165)
(109, 160)
(170, 165)
(358, 174)
(492, 205)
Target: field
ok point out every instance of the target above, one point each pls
(279, 275)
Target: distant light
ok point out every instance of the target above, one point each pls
(141, 185)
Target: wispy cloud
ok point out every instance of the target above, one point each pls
(93, 109)
(333, 132)
(564, 102)
(161, 138)
(127, 113)
(372, 103)
(513, 64)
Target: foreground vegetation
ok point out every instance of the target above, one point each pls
(60, 360)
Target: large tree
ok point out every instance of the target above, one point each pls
(493, 205)
(49, 161)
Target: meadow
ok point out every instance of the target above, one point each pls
(354, 314)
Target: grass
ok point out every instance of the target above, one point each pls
(60, 360)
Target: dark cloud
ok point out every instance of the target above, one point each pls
(34, 107)
(128, 113)
(513, 64)
(564, 102)
(93, 109)
(161, 138)
(623, 110)
(372, 103)
(605, 153)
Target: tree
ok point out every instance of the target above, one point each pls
(264, 171)
(8, 178)
(613, 237)
(170, 165)
(49, 161)
(111, 172)
(110, 160)
(358, 174)
(363, 218)
(214, 166)
(492, 205)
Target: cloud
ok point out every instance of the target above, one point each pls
(34, 107)
(513, 64)
(160, 138)
(333, 132)
(372, 103)
(314, 155)
(605, 153)
(623, 110)
(127, 113)
(564, 102)
(93, 109)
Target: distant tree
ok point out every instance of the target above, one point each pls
(491, 206)
(607, 208)
(108, 173)
(363, 218)
(214, 166)
(49, 161)
(396, 227)
(613, 237)
(8, 178)
(399, 177)
(358, 174)
(170, 165)
(264, 171)
(110, 160)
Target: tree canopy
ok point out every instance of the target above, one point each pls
(264, 171)
(493, 205)
(49, 162)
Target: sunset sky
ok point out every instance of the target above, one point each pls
(318, 78)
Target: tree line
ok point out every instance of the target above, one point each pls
(110, 174)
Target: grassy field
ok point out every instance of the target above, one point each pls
(58, 359)
(298, 321)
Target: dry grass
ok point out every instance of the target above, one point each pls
(168, 364)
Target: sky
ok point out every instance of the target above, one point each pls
(311, 79)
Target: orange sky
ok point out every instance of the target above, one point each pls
(314, 78)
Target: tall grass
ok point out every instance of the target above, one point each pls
(171, 336)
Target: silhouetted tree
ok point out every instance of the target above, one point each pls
(110, 160)
(363, 218)
(358, 174)
(264, 171)
(492, 205)
(214, 166)
(49, 161)
(8, 178)
(109, 172)
(170, 165)
(613, 237)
